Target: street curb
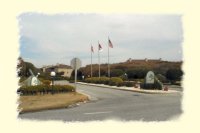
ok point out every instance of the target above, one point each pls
(89, 97)
(132, 89)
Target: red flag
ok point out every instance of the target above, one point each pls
(92, 49)
(100, 48)
(110, 43)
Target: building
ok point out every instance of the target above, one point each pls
(65, 70)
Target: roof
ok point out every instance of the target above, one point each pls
(57, 66)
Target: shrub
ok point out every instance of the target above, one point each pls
(116, 72)
(157, 85)
(45, 89)
(115, 81)
(97, 80)
(71, 81)
(46, 82)
(120, 84)
(129, 84)
(136, 73)
(174, 74)
(104, 80)
(162, 78)
(91, 80)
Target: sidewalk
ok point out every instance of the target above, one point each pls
(132, 89)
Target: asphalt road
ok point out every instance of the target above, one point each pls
(109, 104)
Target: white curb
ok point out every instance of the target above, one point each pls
(132, 89)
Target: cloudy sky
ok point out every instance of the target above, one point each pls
(51, 39)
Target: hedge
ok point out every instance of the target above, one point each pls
(97, 80)
(129, 84)
(156, 86)
(46, 82)
(115, 81)
(45, 89)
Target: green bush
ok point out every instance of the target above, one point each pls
(46, 82)
(137, 73)
(174, 74)
(115, 81)
(162, 78)
(97, 80)
(116, 72)
(121, 84)
(156, 86)
(104, 80)
(45, 89)
(129, 84)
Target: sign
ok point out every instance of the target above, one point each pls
(75, 63)
(149, 78)
(34, 81)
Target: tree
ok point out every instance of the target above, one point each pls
(174, 74)
(137, 73)
(116, 72)
(79, 75)
(23, 69)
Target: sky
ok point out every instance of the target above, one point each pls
(51, 39)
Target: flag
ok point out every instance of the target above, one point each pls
(92, 50)
(110, 43)
(100, 48)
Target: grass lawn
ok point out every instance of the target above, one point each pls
(49, 101)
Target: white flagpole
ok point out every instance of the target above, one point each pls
(91, 59)
(99, 60)
(108, 60)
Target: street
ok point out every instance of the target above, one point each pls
(110, 104)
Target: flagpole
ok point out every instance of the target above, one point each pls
(91, 60)
(99, 59)
(108, 60)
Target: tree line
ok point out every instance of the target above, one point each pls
(165, 71)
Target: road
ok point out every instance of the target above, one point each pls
(110, 104)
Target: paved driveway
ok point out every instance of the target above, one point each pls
(116, 105)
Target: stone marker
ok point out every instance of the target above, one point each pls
(31, 80)
(149, 79)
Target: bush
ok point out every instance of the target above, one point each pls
(97, 80)
(71, 81)
(174, 74)
(45, 89)
(156, 86)
(137, 73)
(162, 78)
(129, 84)
(46, 82)
(115, 81)
(116, 72)
(91, 80)
(121, 84)
(104, 80)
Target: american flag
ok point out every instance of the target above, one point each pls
(92, 49)
(100, 48)
(110, 43)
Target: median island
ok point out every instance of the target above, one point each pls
(42, 97)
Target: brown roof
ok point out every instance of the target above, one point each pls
(63, 66)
